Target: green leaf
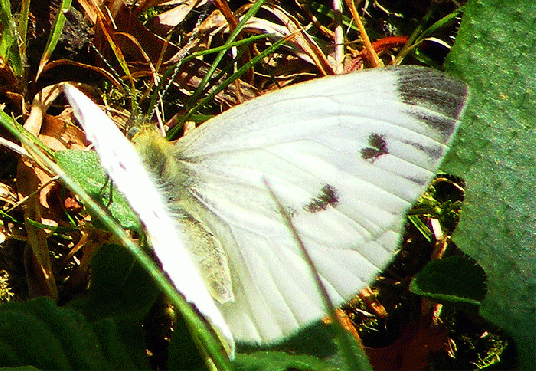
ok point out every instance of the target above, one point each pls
(281, 361)
(85, 168)
(495, 154)
(123, 292)
(455, 279)
(315, 347)
(120, 286)
(43, 335)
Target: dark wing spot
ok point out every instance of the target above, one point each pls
(328, 196)
(378, 147)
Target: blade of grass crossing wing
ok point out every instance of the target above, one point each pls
(353, 362)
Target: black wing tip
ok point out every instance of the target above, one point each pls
(440, 91)
(442, 96)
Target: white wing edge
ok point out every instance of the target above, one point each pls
(123, 164)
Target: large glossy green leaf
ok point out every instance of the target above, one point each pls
(43, 335)
(495, 153)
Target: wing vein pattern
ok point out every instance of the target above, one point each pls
(347, 155)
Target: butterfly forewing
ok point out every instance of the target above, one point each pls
(125, 168)
(347, 156)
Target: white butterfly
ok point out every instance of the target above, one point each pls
(347, 156)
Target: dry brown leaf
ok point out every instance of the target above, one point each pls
(151, 43)
(41, 280)
(36, 187)
(302, 39)
(174, 16)
(59, 134)
(61, 63)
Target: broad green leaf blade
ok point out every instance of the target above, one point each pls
(43, 335)
(281, 361)
(121, 292)
(315, 347)
(85, 168)
(120, 286)
(455, 280)
(495, 154)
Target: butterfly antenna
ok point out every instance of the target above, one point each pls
(178, 58)
(110, 67)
